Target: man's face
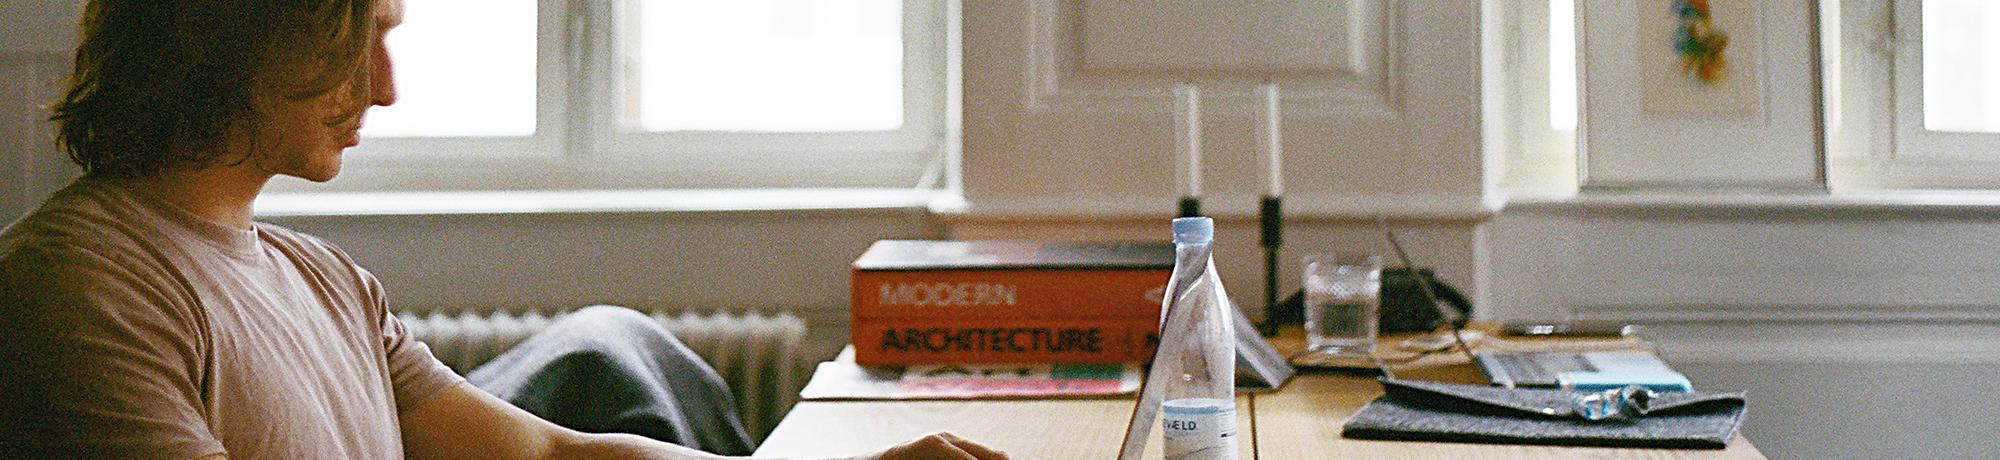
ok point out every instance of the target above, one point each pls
(297, 140)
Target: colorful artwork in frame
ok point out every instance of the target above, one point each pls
(1699, 42)
(1700, 57)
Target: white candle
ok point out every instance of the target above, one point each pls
(1189, 132)
(1273, 124)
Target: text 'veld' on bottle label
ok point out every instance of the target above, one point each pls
(1199, 428)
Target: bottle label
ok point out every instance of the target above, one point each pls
(1199, 428)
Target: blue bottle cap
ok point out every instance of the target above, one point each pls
(1194, 230)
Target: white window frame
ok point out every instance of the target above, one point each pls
(1911, 137)
(1537, 158)
(1876, 133)
(580, 142)
(546, 144)
(856, 154)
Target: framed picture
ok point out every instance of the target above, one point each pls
(1700, 57)
(1699, 94)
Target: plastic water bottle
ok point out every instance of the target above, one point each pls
(1198, 415)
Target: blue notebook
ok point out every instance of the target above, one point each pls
(1588, 371)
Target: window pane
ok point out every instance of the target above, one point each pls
(1562, 65)
(1961, 62)
(463, 68)
(765, 65)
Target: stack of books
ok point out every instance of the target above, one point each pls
(973, 302)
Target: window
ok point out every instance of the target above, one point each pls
(1910, 100)
(1945, 106)
(658, 94)
(1961, 59)
(813, 67)
(463, 72)
(1539, 40)
(472, 80)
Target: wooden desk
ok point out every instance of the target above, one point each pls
(1300, 421)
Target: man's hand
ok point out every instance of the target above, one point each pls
(939, 446)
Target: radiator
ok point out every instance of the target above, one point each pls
(759, 356)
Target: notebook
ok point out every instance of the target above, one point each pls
(1587, 371)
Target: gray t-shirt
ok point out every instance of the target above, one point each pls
(132, 328)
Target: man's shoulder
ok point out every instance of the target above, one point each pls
(40, 256)
(92, 239)
(319, 250)
(74, 225)
(63, 277)
(74, 255)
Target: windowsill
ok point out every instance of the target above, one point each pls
(1916, 202)
(593, 201)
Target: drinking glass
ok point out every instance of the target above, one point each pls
(1343, 304)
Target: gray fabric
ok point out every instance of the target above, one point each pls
(1429, 411)
(613, 370)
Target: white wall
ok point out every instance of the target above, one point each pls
(795, 261)
(1051, 130)
(38, 26)
(1066, 137)
(1852, 326)
(35, 41)
(29, 164)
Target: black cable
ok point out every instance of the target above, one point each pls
(1451, 317)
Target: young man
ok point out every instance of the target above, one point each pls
(143, 314)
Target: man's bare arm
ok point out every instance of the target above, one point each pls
(467, 423)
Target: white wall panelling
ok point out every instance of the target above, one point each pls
(1818, 410)
(1551, 260)
(1098, 55)
(1227, 37)
(1443, 245)
(1389, 123)
(793, 261)
(1852, 326)
(1735, 284)
(1070, 137)
(1827, 385)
